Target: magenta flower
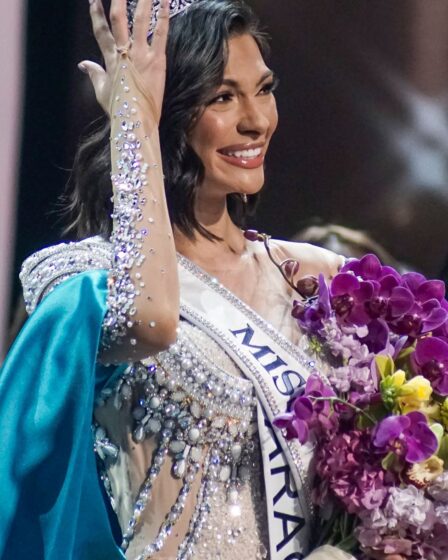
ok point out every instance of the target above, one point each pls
(296, 422)
(348, 298)
(365, 290)
(429, 311)
(349, 468)
(369, 267)
(431, 360)
(408, 436)
(307, 413)
(410, 304)
(422, 288)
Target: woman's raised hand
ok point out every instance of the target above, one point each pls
(115, 41)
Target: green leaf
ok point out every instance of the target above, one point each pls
(438, 431)
(443, 451)
(406, 353)
(388, 462)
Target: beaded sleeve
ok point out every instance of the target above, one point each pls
(46, 269)
(132, 254)
(141, 222)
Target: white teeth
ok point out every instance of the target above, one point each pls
(248, 154)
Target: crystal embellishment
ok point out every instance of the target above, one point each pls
(202, 419)
(176, 7)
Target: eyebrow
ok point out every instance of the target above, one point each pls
(234, 83)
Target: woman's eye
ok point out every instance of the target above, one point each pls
(221, 98)
(269, 87)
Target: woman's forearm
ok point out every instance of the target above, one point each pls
(143, 301)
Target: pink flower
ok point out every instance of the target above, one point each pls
(350, 470)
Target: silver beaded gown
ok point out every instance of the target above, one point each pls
(177, 433)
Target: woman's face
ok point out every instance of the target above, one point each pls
(233, 133)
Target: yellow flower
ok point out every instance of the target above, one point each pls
(398, 378)
(390, 386)
(414, 395)
(422, 474)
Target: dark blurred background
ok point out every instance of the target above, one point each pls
(363, 135)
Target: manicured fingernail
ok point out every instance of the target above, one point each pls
(83, 67)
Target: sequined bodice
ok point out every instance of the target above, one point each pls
(184, 421)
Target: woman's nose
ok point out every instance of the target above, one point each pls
(253, 119)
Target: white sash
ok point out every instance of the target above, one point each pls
(276, 368)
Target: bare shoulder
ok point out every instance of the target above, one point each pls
(313, 260)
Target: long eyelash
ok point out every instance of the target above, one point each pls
(271, 86)
(215, 99)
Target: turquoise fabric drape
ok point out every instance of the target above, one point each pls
(51, 503)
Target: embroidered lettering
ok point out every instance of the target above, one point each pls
(286, 518)
(288, 487)
(290, 379)
(289, 387)
(248, 333)
(278, 448)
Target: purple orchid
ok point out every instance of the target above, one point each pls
(369, 267)
(422, 288)
(431, 360)
(429, 311)
(377, 338)
(407, 436)
(348, 298)
(311, 313)
(307, 413)
(365, 290)
(295, 423)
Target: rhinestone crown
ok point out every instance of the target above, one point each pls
(176, 7)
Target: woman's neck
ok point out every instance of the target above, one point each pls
(209, 254)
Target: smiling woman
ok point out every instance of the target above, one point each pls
(203, 344)
(232, 136)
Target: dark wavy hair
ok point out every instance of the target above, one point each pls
(196, 60)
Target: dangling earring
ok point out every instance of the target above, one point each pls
(244, 198)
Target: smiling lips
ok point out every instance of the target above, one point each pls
(247, 157)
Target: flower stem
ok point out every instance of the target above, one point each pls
(266, 239)
(346, 403)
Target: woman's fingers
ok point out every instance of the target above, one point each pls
(98, 77)
(142, 22)
(119, 22)
(160, 37)
(102, 32)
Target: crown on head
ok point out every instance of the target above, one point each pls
(176, 7)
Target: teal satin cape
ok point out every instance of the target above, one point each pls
(51, 501)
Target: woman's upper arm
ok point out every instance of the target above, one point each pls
(49, 267)
(43, 271)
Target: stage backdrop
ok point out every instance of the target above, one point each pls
(10, 124)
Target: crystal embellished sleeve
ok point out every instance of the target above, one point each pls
(43, 271)
(143, 286)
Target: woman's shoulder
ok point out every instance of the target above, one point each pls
(313, 260)
(47, 268)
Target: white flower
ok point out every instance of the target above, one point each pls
(409, 507)
(439, 488)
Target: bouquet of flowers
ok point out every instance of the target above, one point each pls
(379, 413)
